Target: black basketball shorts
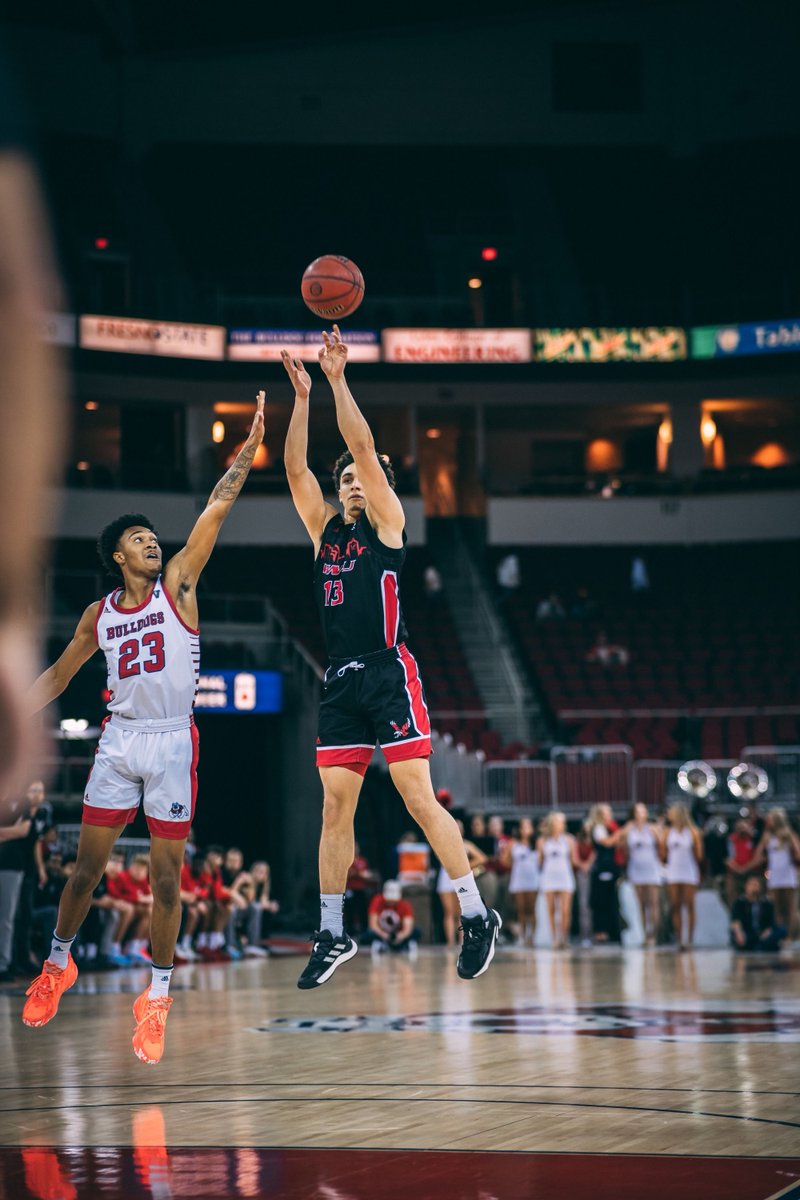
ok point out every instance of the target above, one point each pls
(369, 699)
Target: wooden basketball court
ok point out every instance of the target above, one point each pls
(591, 1073)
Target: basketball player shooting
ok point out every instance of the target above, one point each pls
(148, 630)
(372, 690)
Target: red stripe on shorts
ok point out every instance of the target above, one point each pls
(419, 709)
(391, 606)
(108, 817)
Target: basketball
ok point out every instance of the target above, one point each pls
(332, 287)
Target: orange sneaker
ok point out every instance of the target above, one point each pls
(151, 1020)
(46, 991)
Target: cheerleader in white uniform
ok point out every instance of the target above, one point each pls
(523, 858)
(558, 857)
(640, 839)
(682, 850)
(451, 909)
(780, 846)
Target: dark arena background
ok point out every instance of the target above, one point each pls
(579, 344)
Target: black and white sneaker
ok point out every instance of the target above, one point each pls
(477, 949)
(327, 953)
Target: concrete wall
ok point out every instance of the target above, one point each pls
(254, 520)
(639, 521)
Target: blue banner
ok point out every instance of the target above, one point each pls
(240, 692)
(754, 337)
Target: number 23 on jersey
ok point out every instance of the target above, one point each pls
(147, 654)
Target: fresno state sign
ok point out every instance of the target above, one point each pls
(128, 335)
(457, 345)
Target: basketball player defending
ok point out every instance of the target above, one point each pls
(147, 628)
(372, 689)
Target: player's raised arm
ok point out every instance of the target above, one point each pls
(303, 483)
(183, 571)
(51, 683)
(383, 506)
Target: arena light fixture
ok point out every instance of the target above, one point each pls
(665, 431)
(489, 253)
(91, 406)
(433, 433)
(697, 778)
(708, 430)
(475, 283)
(218, 432)
(747, 781)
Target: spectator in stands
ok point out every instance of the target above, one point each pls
(391, 922)
(488, 880)
(508, 577)
(496, 864)
(46, 898)
(133, 885)
(14, 847)
(606, 836)
(107, 925)
(753, 924)
(262, 909)
(682, 850)
(522, 859)
(413, 860)
(608, 654)
(31, 850)
(715, 841)
(780, 847)
(195, 906)
(239, 886)
(445, 889)
(741, 848)
(433, 586)
(583, 882)
(640, 580)
(558, 860)
(361, 885)
(211, 943)
(550, 609)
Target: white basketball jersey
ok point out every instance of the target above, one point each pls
(153, 657)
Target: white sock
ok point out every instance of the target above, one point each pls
(59, 950)
(216, 940)
(469, 897)
(91, 951)
(186, 942)
(159, 985)
(331, 914)
(202, 941)
(116, 949)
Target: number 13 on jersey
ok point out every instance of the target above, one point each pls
(334, 592)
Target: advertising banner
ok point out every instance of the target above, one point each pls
(754, 337)
(240, 692)
(457, 345)
(58, 328)
(650, 343)
(363, 345)
(128, 335)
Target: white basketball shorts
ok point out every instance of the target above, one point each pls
(154, 761)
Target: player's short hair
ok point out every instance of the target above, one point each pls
(108, 541)
(344, 461)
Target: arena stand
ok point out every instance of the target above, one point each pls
(714, 654)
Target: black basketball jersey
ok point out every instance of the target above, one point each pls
(357, 589)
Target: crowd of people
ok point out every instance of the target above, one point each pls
(753, 867)
(228, 907)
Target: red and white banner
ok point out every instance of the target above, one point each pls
(128, 335)
(457, 345)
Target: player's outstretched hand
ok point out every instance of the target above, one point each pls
(333, 355)
(257, 428)
(301, 380)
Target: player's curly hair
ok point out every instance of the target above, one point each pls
(344, 461)
(108, 541)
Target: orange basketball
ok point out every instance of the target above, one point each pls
(332, 287)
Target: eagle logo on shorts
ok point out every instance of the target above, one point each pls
(401, 730)
(179, 811)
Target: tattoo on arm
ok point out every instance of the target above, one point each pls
(232, 481)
